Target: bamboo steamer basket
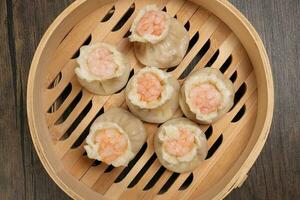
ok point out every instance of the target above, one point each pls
(60, 111)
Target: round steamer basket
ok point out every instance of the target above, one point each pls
(60, 111)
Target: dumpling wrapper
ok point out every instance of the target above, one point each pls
(214, 77)
(164, 51)
(102, 85)
(127, 124)
(191, 160)
(156, 111)
(149, 38)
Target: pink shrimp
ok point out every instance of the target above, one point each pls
(149, 87)
(101, 63)
(182, 145)
(112, 144)
(153, 23)
(206, 98)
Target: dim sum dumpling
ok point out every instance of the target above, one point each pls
(102, 70)
(159, 40)
(152, 95)
(115, 137)
(206, 95)
(180, 145)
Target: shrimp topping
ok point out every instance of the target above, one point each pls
(206, 97)
(153, 23)
(101, 63)
(149, 87)
(182, 145)
(112, 144)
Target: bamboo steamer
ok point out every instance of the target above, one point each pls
(60, 111)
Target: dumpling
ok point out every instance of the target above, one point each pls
(115, 137)
(102, 70)
(159, 40)
(152, 95)
(180, 145)
(206, 95)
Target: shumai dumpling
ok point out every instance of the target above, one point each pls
(115, 137)
(180, 145)
(206, 95)
(159, 39)
(152, 95)
(102, 70)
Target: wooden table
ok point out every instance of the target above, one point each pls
(275, 174)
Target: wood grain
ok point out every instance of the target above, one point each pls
(22, 25)
(275, 174)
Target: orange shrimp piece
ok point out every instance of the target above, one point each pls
(101, 63)
(206, 98)
(149, 87)
(153, 23)
(181, 146)
(112, 144)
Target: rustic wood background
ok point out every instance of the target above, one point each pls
(274, 176)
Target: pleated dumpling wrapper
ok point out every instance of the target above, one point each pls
(206, 95)
(115, 137)
(102, 70)
(153, 95)
(180, 145)
(159, 39)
